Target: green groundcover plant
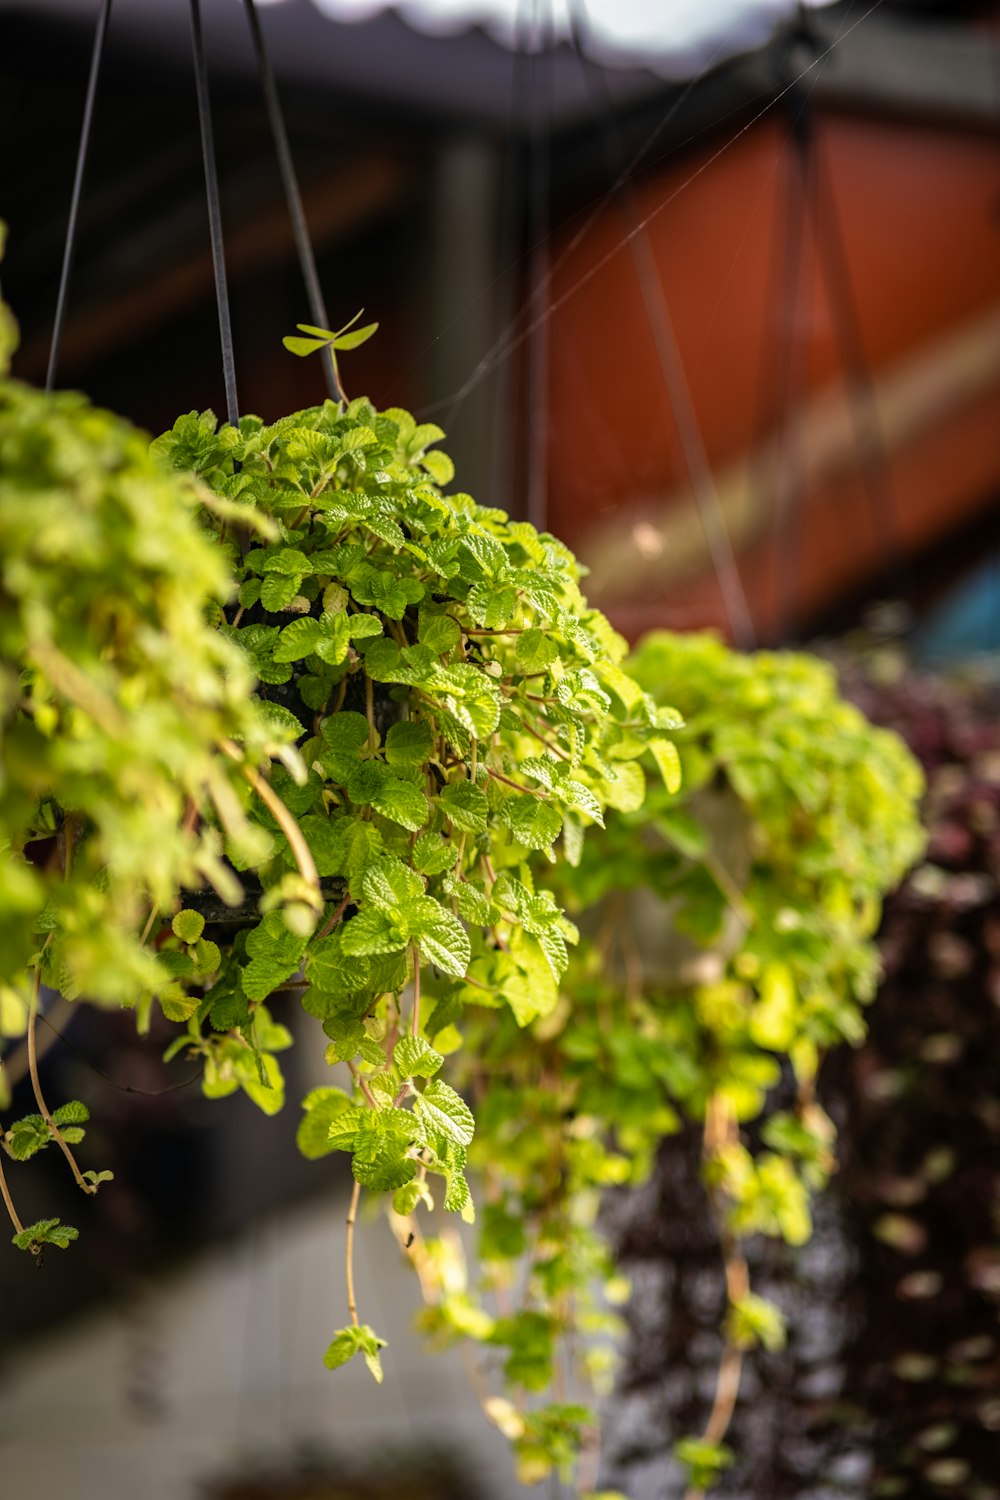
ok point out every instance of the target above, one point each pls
(402, 826)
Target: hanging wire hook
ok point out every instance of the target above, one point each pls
(296, 211)
(214, 214)
(83, 151)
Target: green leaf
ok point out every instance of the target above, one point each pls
(534, 823)
(46, 1232)
(472, 902)
(277, 590)
(668, 760)
(388, 884)
(73, 1112)
(322, 1106)
(355, 337)
(409, 744)
(438, 631)
(27, 1136)
(302, 346)
(344, 735)
(535, 651)
(446, 1113)
(402, 803)
(374, 931)
(465, 806)
(432, 854)
(188, 925)
(442, 938)
(297, 639)
(412, 1055)
(350, 1341)
(96, 1178)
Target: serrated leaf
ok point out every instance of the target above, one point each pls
(333, 974)
(446, 1113)
(402, 803)
(473, 904)
(465, 805)
(277, 590)
(297, 639)
(432, 854)
(534, 823)
(534, 651)
(409, 743)
(412, 1055)
(374, 931)
(322, 1106)
(188, 925)
(73, 1112)
(442, 938)
(344, 735)
(350, 1341)
(437, 631)
(46, 1232)
(389, 884)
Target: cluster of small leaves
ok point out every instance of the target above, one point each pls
(127, 728)
(464, 721)
(115, 693)
(730, 922)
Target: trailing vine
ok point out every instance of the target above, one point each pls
(461, 712)
(404, 826)
(115, 697)
(731, 921)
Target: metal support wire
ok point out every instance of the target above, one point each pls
(539, 173)
(661, 326)
(214, 214)
(83, 151)
(289, 181)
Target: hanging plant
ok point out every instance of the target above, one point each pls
(731, 920)
(127, 731)
(464, 721)
(452, 722)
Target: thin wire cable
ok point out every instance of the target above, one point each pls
(786, 554)
(83, 152)
(293, 196)
(539, 181)
(869, 437)
(699, 470)
(498, 354)
(497, 351)
(214, 214)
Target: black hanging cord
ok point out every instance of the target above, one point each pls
(214, 214)
(83, 151)
(289, 181)
(541, 42)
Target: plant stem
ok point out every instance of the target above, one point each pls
(415, 1012)
(300, 849)
(43, 1108)
(362, 1084)
(370, 713)
(352, 1215)
(720, 1130)
(334, 917)
(515, 784)
(8, 1200)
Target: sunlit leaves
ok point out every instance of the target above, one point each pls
(347, 1342)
